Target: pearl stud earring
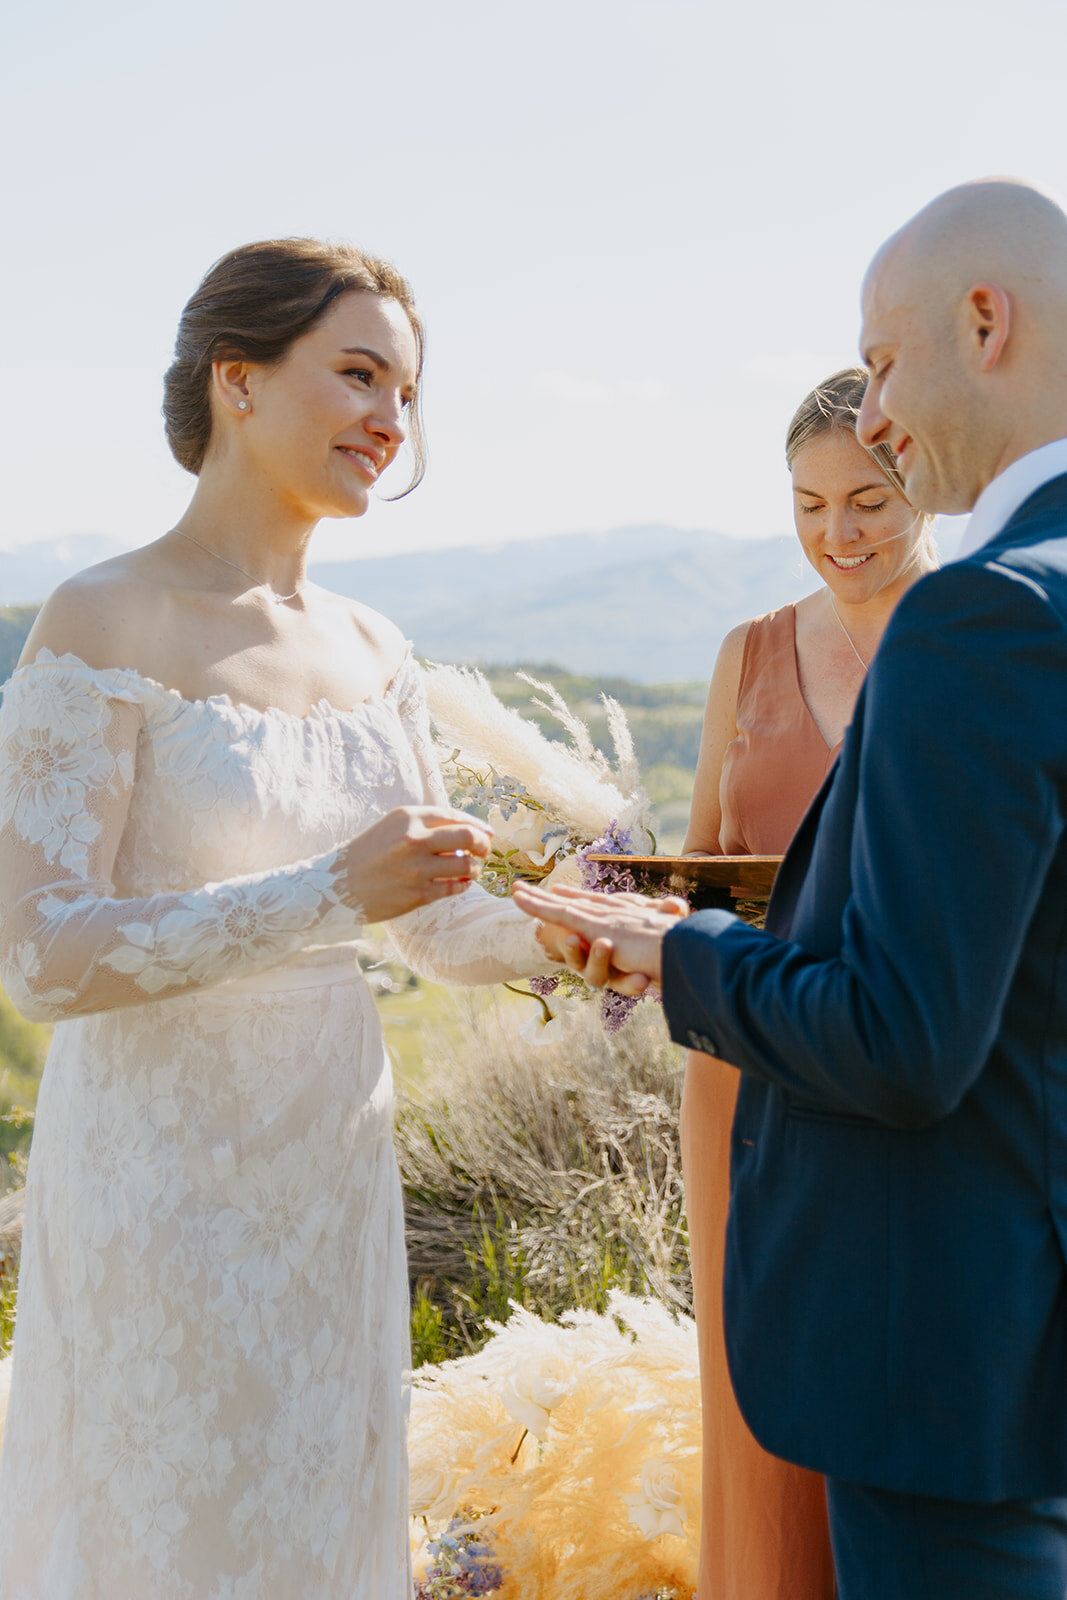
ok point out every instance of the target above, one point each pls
(242, 405)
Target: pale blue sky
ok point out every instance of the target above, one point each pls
(636, 232)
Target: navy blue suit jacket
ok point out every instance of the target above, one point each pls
(896, 1288)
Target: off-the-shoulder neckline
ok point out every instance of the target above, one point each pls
(321, 708)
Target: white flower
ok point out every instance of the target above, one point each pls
(540, 1030)
(72, 709)
(44, 787)
(65, 702)
(211, 932)
(119, 1172)
(656, 1507)
(279, 1210)
(527, 831)
(432, 1491)
(247, 1586)
(534, 1390)
(19, 974)
(568, 871)
(308, 1489)
(268, 1035)
(144, 1438)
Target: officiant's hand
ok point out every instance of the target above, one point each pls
(622, 934)
(413, 855)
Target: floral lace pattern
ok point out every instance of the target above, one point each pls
(208, 1387)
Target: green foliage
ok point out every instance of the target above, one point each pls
(23, 1047)
(7, 1314)
(15, 624)
(429, 1341)
(665, 718)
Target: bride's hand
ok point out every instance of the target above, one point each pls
(561, 945)
(413, 855)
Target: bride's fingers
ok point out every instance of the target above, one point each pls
(456, 865)
(600, 971)
(597, 968)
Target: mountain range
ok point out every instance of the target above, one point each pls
(647, 603)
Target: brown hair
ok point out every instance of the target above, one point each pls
(255, 303)
(835, 403)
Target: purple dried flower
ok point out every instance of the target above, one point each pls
(614, 841)
(543, 986)
(615, 1009)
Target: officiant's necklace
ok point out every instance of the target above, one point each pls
(260, 583)
(848, 636)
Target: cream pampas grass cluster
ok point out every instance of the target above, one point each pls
(577, 1444)
(575, 784)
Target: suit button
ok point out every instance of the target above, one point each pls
(700, 1041)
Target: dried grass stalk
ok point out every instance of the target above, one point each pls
(557, 1169)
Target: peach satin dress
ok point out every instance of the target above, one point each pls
(765, 1532)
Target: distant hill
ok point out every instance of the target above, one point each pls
(30, 573)
(650, 604)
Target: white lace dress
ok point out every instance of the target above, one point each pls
(208, 1397)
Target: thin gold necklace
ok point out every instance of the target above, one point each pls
(260, 583)
(847, 635)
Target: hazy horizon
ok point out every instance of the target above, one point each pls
(636, 234)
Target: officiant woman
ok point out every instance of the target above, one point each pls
(782, 694)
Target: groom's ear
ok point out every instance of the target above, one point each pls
(988, 313)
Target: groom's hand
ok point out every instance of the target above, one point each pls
(622, 933)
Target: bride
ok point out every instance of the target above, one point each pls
(212, 774)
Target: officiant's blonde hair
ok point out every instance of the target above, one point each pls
(255, 303)
(833, 405)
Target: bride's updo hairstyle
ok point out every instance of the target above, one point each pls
(253, 305)
(835, 404)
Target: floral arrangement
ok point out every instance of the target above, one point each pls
(561, 1462)
(551, 806)
(461, 1563)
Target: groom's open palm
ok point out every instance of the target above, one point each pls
(621, 934)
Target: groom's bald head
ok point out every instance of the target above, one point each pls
(965, 334)
(996, 229)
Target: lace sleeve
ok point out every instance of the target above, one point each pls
(473, 937)
(68, 946)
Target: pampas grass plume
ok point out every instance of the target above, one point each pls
(575, 784)
(563, 1530)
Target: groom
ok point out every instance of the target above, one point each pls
(896, 1278)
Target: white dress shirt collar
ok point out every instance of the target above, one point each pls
(1001, 499)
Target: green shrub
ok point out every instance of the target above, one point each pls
(23, 1047)
(541, 1177)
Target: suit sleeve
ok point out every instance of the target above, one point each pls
(960, 810)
